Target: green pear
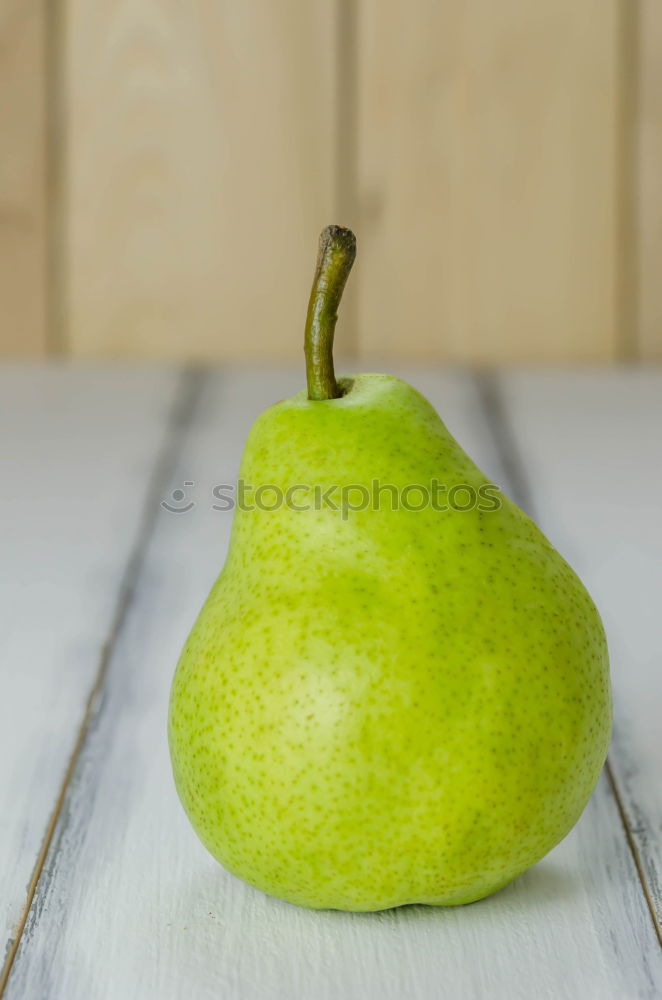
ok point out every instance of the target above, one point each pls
(385, 699)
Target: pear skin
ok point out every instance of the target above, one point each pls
(383, 706)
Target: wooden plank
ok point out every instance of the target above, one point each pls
(488, 179)
(648, 139)
(131, 905)
(23, 223)
(200, 172)
(591, 449)
(77, 447)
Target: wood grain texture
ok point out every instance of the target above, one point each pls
(76, 448)
(591, 446)
(488, 179)
(648, 184)
(130, 905)
(23, 212)
(199, 174)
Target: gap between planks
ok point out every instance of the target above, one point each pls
(181, 414)
(346, 151)
(492, 404)
(55, 182)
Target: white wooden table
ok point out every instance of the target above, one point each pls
(105, 891)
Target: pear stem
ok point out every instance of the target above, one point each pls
(337, 249)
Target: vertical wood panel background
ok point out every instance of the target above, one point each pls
(487, 163)
(23, 235)
(199, 163)
(479, 151)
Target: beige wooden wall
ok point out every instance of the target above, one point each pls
(166, 166)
